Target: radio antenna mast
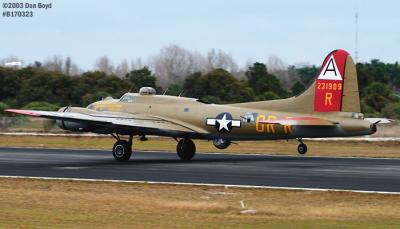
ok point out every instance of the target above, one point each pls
(356, 37)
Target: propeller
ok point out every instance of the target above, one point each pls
(49, 124)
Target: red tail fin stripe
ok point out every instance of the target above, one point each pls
(329, 82)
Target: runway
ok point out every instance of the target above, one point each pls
(230, 169)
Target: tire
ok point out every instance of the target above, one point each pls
(302, 149)
(186, 149)
(122, 151)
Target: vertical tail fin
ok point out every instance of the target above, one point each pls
(336, 86)
(334, 90)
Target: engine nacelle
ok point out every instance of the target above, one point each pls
(72, 126)
(221, 143)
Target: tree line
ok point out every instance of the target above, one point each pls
(171, 64)
(37, 87)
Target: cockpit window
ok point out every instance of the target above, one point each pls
(127, 99)
(202, 101)
(108, 98)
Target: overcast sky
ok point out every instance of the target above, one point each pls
(295, 31)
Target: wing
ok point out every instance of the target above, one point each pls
(300, 121)
(115, 120)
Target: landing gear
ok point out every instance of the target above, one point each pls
(122, 149)
(302, 148)
(186, 149)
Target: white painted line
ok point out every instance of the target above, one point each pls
(299, 156)
(70, 168)
(202, 184)
(366, 139)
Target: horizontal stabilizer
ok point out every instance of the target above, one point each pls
(378, 120)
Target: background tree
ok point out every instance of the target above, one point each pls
(297, 88)
(142, 78)
(43, 85)
(377, 95)
(3, 106)
(261, 81)
(93, 86)
(392, 110)
(122, 69)
(104, 64)
(173, 63)
(219, 84)
(173, 89)
(45, 106)
(277, 67)
(220, 59)
(137, 64)
(10, 83)
(68, 64)
(54, 63)
(306, 74)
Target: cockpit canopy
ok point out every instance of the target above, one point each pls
(147, 91)
(127, 98)
(131, 97)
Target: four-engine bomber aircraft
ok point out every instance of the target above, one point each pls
(329, 108)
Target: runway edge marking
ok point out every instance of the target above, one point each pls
(200, 184)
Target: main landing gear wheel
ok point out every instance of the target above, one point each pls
(186, 149)
(302, 148)
(122, 150)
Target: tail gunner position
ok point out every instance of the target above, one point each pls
(329, 108)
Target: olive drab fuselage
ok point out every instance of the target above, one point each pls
(241, 123)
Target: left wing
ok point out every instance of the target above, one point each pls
(115, 119)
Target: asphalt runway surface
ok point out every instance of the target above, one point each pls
(258, 170)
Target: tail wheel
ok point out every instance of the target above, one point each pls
(122, 150)
(302, 148)
(186, 149)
